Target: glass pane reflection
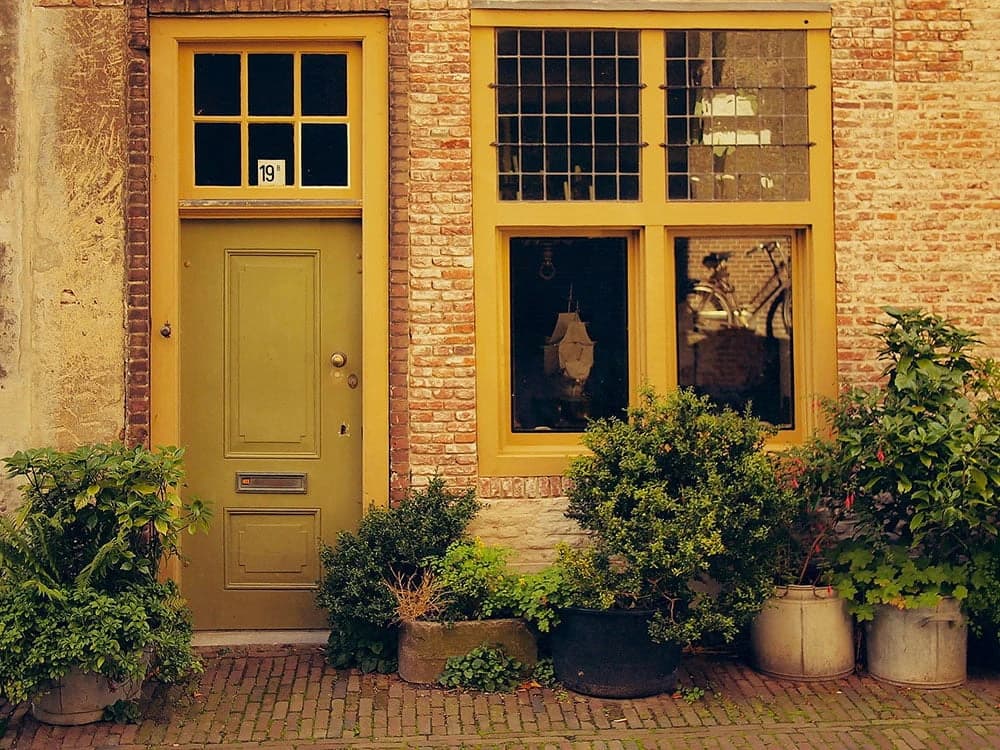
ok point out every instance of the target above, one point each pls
(569, 335)
(734, 322)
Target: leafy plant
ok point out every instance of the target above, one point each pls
(818, 523)
(684, 509)
(79, 565)
(690, 693)
(537, 596)
(916, 464)
(101, 515)
(476, 581)
(484, 668)
(983, 603)
(892, 575)
(123, 712)
(357, 569)
(544, 673)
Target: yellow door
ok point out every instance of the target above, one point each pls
(270, 415)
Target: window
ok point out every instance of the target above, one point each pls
(737, 124)
(569, 331)
(652, 204)
(273, 121)
(567, 114)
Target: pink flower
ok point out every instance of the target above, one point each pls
(849, 500)
(880, 455)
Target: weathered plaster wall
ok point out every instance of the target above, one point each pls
(62, 169)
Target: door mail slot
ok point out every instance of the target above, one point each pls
(271, 482)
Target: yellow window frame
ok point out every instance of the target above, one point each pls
(651, 224)
(353, 119)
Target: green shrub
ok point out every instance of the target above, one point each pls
(354, 590)
(474, 580)
(115, 635)
(684, 510)
(471, 581)
(918, 458)
(104, 516)
(915, 464)
(484, 668)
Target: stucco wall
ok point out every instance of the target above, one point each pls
(61, 226)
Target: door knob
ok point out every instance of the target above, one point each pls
(338, 359)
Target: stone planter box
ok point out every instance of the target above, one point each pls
(425, 647)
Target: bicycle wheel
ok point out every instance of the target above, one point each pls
(780, 313)
(708, 309)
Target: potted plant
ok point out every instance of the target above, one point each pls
(457, 602)
(84, 615)
(683, 509)
(805, 631)
(360, 567)
(916, 461)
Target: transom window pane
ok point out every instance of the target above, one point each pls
(216, 84)
(568, 114)
(269, 78)
(737, 121)
(569, 331)
(324, 85)
(734, 322)
(285, 126)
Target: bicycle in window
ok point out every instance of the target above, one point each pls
(713, 305)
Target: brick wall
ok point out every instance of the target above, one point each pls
(441, 358)
(916, 117)
(916, 108)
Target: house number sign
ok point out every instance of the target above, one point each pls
(271, 172)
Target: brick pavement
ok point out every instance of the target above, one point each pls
(286, 697)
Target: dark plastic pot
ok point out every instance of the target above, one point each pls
(608, 654)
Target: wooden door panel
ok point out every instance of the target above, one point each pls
(271, 427)
(273, 359)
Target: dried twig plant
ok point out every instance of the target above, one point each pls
(419, 596)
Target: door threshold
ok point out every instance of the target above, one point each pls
(259, 637)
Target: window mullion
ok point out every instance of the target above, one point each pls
(652, 54)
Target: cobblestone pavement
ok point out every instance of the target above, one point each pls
(286, 697)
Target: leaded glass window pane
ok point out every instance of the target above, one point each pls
(567, 114)
(737, 119)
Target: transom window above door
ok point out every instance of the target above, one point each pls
(271, 122)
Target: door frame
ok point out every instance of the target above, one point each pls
(166, 211)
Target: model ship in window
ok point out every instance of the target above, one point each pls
(569, 355)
